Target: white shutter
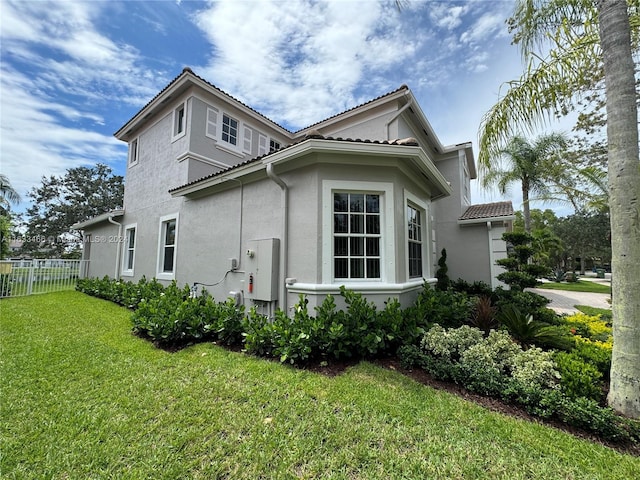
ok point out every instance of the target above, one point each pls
(246, 143)
(212, 123)
(263, 145)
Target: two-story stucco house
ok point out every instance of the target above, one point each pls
(219, 195)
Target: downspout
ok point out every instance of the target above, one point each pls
(117, 273)
(397, 114)
(491, 259)
(284, 262)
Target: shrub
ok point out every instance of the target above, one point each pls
(484, 314)
(477, 288)
(441, 273)
(450, 343)
(225, 323)
(257, 333)
(447, 308)
(577, 377)
(525, 330)
(589, 326)
(587, 414)
(596, 353)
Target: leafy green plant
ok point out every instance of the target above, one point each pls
(447, 308)
(527, 331)
(578, 378)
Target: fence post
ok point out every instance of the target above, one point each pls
(32, 269)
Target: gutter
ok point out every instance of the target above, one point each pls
(284, 258)
(111, 220)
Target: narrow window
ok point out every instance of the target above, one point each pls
(130, 249)
(179, 121)
(167, 247)
(229, 130)
(273, 145)
(133, 152)
(414, 224)
(356, 235)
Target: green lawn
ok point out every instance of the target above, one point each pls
(579, 286)
(83, 398)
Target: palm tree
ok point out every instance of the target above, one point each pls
(7, 193)
(534, 164)
(587, 39)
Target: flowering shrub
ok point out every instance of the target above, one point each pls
(589, 326)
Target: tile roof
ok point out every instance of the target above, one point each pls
(400, 88)
(488, 210)
(187, 70)
(412, 142)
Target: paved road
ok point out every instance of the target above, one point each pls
(564, 302)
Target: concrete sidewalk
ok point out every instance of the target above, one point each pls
(564, 302)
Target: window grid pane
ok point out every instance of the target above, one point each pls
(356, 230)
(414, 236)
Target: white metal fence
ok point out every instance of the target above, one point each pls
(27, 277)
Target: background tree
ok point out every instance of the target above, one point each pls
(8, 195)
(535, 165)
(587, 38)
(61, 201)
(585, 236)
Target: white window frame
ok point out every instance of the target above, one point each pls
(423, 207)
(387, 234)
(274, 148)
(134, 151)
(227, 143)
(176, 121)
(160, 273)
(128, 252)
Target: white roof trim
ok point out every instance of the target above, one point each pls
(98, 219)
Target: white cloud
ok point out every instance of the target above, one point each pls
(302, 63)
(446, 15)
(34, 141)
(488, 25)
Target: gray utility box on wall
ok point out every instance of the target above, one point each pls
(262, 269)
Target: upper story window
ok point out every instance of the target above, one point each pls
(356, 235)
(273, 145)
(179, 120)
(133, 152)
(229, 130)
(414, 236)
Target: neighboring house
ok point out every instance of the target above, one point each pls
(219, 195)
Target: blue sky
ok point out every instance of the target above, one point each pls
(72, 73)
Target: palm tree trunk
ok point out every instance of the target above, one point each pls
(624, 201)
(526, 212)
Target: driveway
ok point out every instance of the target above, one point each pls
(564, 302)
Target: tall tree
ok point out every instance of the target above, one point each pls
(61, 201)
(586, 38)
(624, 204)
(535, 165)
(8, 194)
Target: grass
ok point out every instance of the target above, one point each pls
(83, 398)
(579, 286)
(605, 314)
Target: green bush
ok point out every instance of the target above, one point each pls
(447, 308)
(578, 378)
(257, 333)
(595, 355)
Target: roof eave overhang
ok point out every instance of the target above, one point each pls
(175, 89)
(412, 153)
(97, 219)
(478, 221)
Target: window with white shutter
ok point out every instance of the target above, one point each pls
(263, 145)
(212, 123)
(247, 137)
